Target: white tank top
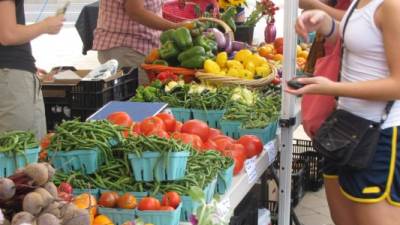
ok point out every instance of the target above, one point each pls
(364, 59)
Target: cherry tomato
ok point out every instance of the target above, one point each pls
(149, 203)
(108, 199)
(168, 120)
(171, 199)
(127, 201)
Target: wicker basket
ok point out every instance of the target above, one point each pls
(189, 74)
(218, 79)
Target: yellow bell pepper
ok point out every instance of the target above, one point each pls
(263, 71)
(234, 64)
(233, 72)
(251, 67)
(242, 55)
(222, 58)
(211, 67)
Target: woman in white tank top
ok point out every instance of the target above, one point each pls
(370, 77)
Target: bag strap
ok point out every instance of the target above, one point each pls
(389, 105)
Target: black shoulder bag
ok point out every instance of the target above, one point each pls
(347, 139)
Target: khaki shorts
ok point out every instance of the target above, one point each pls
(126, 57)
(21, 102)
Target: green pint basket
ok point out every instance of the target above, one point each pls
(182, 114)
(118, 216)
(266, 134)
(212, 117)
(231, 128)
(224, 181)
(86, 161)
(161, 217)
(152, 166)
(10, 163)
(210, 190)
(94, 192)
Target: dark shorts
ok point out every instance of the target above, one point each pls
(381, 180)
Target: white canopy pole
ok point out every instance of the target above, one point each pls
(288, 120)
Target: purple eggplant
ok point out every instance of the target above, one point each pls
(228, 44)
(270, 33)
(238, 45)
(219, 37)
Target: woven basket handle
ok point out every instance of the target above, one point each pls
(227, 28)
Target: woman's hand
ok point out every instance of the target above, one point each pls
(313, 85)
(53, 24)
(313, 20)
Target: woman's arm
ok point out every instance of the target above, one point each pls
(383, 89)
(12, 33)
(137, 12)
(337, 14)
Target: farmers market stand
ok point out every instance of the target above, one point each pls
(289, 116)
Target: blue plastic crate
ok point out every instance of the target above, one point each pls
(10, 163)
(95, 192)
(138, 195)
(86, 161)
(161, 217)
(151, 166)
(212, 117)
(231, 128)
(266, 135)
(182, 114)
(118, 216)
(224, 181)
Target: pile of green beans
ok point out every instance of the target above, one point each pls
(76, 135)
(16, 142)
(209, 100)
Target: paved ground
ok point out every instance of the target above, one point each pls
(65, 49)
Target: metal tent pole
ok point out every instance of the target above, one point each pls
(288, 116)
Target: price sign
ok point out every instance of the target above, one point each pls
(250, 167)
(271, 151)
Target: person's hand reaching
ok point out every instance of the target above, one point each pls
(53, 24)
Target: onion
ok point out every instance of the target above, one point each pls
(219, 37)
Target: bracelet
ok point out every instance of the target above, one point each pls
(332, 29)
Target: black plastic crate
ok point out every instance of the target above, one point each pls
(303, 149)
(246, 213)
(95, 94)
(56, 113)
(299, 181)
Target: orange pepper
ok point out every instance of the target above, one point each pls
(152, 56)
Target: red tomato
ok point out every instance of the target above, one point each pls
(212, 132)
(166, 208)
(108, 199)
(120, 118)
(252, 144)
(276, 80)
(197, 143)
(150, 124)
(158, 133)
(236, 147)
(171, 199)
(209, 145)
(222, 144)
(238, 157)
(127, 201)
(168, 120)
(193, 140)
(278, 45)
(136, 128)
(223, 137)
(196, 127)
(178, 126)
(149, 203)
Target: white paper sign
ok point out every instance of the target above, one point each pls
(271, 151)
(224, 206)
(168, 110)
(250, 167)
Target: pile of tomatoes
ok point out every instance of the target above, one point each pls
(194, 132)
(170, 201)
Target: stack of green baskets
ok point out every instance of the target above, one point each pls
(9, 163)
(266, 134)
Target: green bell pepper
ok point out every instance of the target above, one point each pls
(167, 36)
(182, 38)
(160, 62)
(203, 42)
(194, 62)
(213, 45)
(191, 53)
(168, 50)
